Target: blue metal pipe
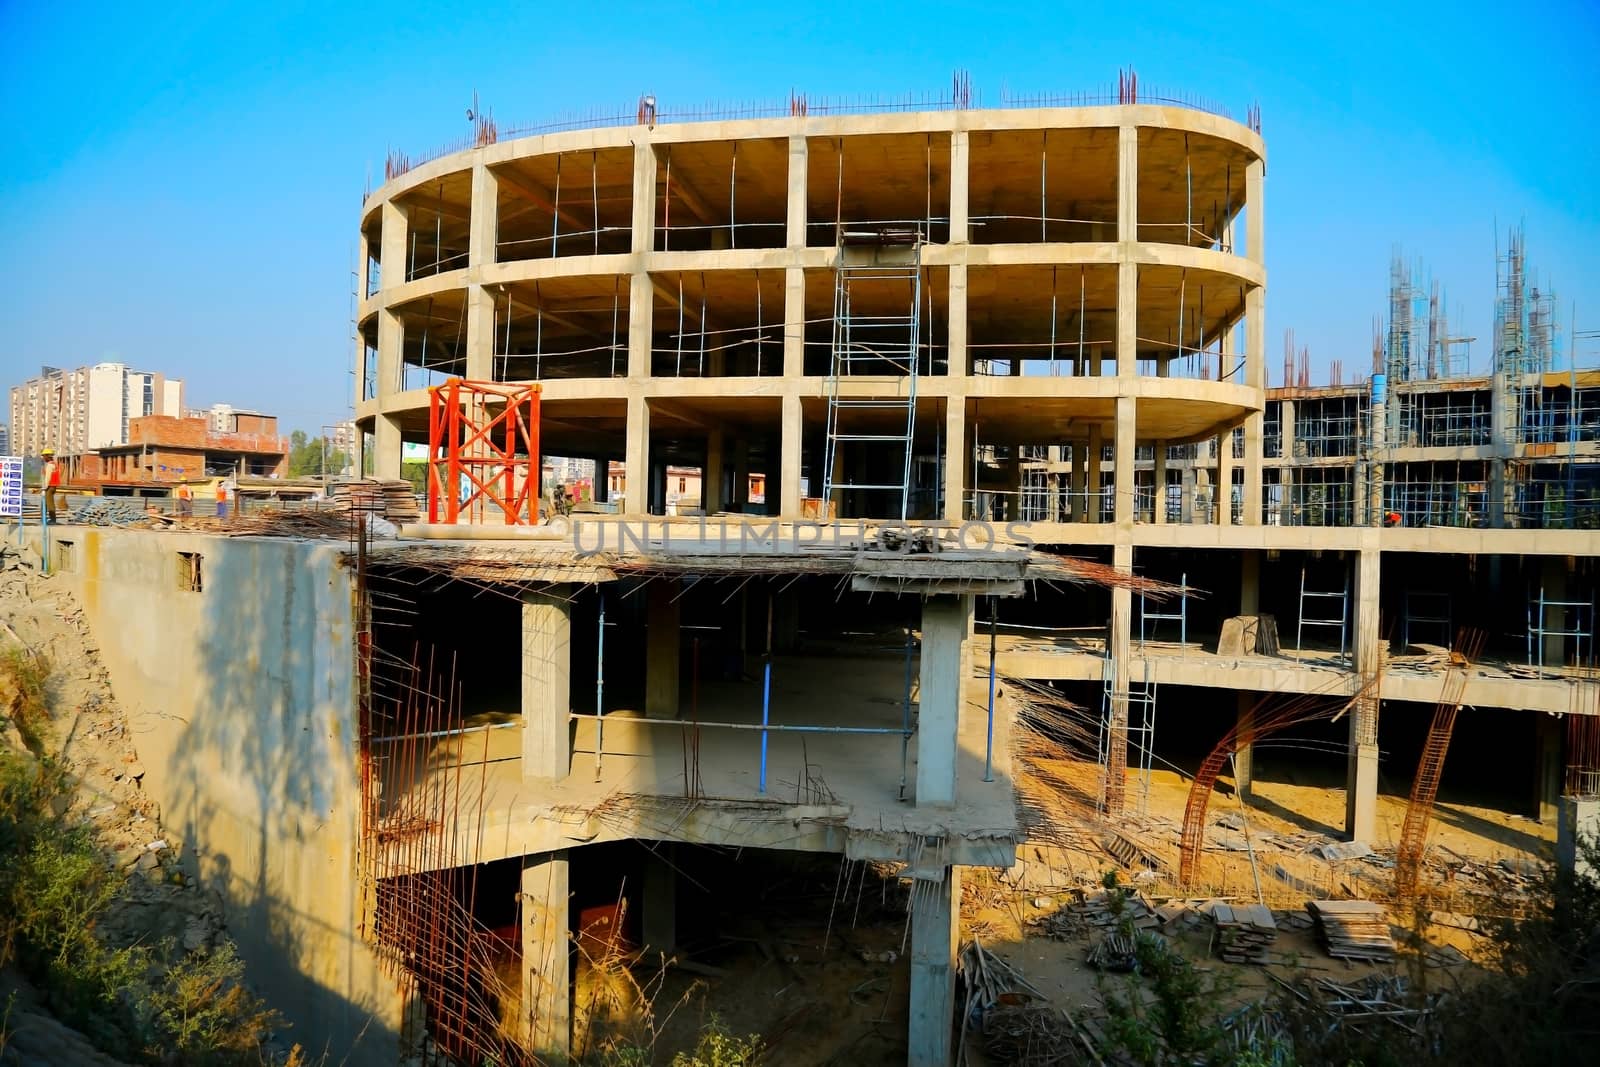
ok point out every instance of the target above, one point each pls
(600, 688)
(766, 707)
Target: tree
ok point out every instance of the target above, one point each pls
(306, 456)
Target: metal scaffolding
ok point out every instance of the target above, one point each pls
(1554, 627)
(1339, 599)
(873, 343)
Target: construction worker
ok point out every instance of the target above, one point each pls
(185, 497)
(222, 499)
(52, 481)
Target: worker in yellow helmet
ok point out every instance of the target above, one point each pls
(52, 481)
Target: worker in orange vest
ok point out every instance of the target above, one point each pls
(185, 497)
(222, 500)
(52, 481)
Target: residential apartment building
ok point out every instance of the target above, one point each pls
(77, 411)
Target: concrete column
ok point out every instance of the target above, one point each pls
(1092, 485)
(1119, 649)
(955, 458)
(1255, 213)
(663, 636)
(1250, 582)
(641, 311)
(546, 684)
(485, 225)
(1122, 459)
(1255, 377)
(741, 476)
(1552, 767)
(1080, 479)
(1361, 770)
(660, 910)
(1224, 491)
(602, 479)
(1128, 184)
(794, 322)
(1158, 479)
(711, 477)
(480, 333)
(960, 185)
(391, 351)
(636, 458)
(1244, 751)
(956, 338)
(935, 939)
(1580, 819)
(795, 217)
(386, 447)
(546, 955)
(644, 193)
(1127, 319)
(944, 635)
(393, 265)
(789, 460)
(1287, 511)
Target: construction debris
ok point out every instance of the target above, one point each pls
(1244, 931)
(1353, 929)
(394, 499)
(108, 511)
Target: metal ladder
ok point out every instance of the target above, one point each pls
(880, 344)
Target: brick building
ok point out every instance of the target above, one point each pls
(163, 450)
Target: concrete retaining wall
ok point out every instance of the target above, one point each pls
(242, 700)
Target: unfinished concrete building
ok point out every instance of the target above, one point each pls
(979, 340)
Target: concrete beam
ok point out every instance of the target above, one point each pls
(944, 634)
(546, 684)
(935, 939)
(546, 955)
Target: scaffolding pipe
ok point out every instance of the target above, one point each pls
(905, 719)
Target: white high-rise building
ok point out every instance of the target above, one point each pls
(77, 411)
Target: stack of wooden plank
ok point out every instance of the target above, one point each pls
(394, 499)
(1244, 931)
(1353, 929)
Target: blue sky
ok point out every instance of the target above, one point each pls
(181, 185)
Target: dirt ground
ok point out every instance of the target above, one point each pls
(89, 733)
(846, 1003)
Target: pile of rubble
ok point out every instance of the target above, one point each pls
(90, 735)
(108, 511)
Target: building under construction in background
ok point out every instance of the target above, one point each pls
(1039, 560)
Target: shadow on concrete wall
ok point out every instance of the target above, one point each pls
(267, 786)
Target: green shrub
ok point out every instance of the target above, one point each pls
(203, 1012)
(718, 1047)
